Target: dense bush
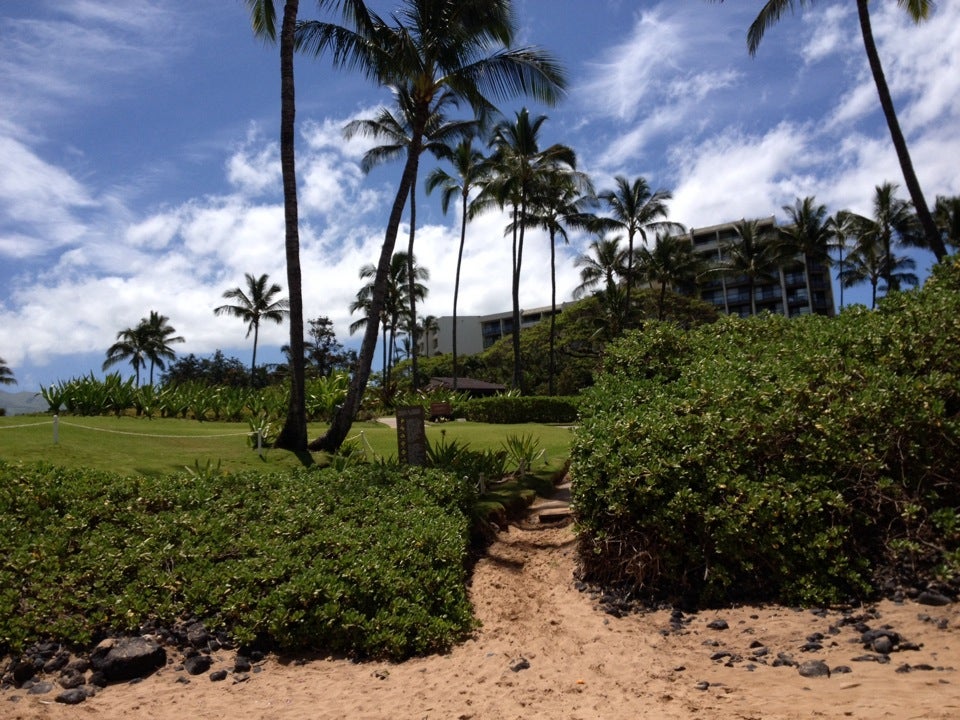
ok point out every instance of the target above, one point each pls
(369, 561)
(507, 409)
(799, 460)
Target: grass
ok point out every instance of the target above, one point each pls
(152, 448)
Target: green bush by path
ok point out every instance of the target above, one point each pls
(368, 562)
(506, 409)
(792, 460)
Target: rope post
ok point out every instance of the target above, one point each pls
(260, 444)
(56, 429)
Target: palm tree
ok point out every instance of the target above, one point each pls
(392, 315)
(132, 344)
(754, 255)
(635, 209)
(842, 229)
(671, 264)
(606, 265)
(468, 163)
(946, 213)
(160, 335)
(6, 374)
(258, 303)
(869, 262)
(561, 199)
(918, 10)
(263, 14)
(516, 167)
(808, 235)
(429, 46)
(893, 221)
(426, 329)
(396, 129)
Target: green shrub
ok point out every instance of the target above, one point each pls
(368, 562)
(505, 409)
(778, 459)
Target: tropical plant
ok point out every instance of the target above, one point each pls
(430, 46)
(394, 308)
(258, 303)
(6, 374)
(842, 231)
(468, 163)
(132, 344)
(946, 213)
(604, 263)
(754, 255)
(396, 129)
(808, 235)
(635, 210)
(517, 168)
(561, 199)
(918, 10)
(160, 335)
(671, 264)
(263, 14)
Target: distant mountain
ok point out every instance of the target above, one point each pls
(22, 403)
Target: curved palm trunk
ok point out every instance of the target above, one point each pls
(662, 301)
(293, 436)
(343, 418)
(629, 272)
(806, 277)
(933, 238)
(456, 286)
(412, 288)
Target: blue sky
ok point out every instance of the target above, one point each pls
(140, 159)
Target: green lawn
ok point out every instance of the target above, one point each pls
(138, 446)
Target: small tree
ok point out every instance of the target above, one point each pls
(257, 304)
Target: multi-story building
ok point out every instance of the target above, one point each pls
(476, 333)
(785, 293)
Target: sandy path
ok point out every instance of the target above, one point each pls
(583, 663)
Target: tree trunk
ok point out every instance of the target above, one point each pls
(515, 337)
(553, 309)
(412, 289)
(930, 232)
(293, 436)
(253, 361)
(343, 418)
(629, 271)
(456, 284)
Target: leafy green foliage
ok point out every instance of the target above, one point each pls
(368, 562)
(776, 459)
(508, 409)
(523, 451)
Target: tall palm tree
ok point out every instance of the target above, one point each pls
(396, 130)
(946, 213)
(918, 10)
(468, 162)
(132, 344)
(670, 263)
(634, 210)
(6, 374)
(259, 302)
(893, 221)
(842, 229)
(606, 265)
(870, 262)
(427, 328)
(560, 199)
(263, 14)
(754, 255)
(394, 310)
(516, 167)
(808, 235)
(430, 46)
(160, 335)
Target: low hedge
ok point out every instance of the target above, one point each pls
(801, 460)
(369, 562)
(511, 410)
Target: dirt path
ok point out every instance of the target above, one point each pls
(546, 651)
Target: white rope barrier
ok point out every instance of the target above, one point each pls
(11, 427)
(56, 422)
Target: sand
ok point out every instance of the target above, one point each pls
(547, 651)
